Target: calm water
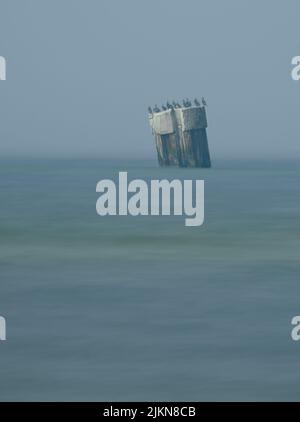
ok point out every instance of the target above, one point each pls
(144, 308)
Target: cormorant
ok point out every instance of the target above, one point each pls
(150, 110)
(164, 108)
(204, 102)
(196, 102)
(156, 109)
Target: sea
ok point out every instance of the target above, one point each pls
(122, 308)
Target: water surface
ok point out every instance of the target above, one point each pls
(144, 308)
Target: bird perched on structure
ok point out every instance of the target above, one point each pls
(174, 104)
(184, 103)
(150, 110)
(164, 108)
(178, 105)
(196, 102)
(204, 102)
(188, 103)
(169, 106)
(156, 109)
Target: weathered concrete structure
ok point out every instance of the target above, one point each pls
(180, 136)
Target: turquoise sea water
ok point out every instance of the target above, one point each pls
(144, 308)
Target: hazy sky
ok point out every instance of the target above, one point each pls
(81, 73)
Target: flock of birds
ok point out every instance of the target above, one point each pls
(186, 103)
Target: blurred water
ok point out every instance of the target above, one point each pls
(144, 308)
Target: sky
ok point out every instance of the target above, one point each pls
(81, 74)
